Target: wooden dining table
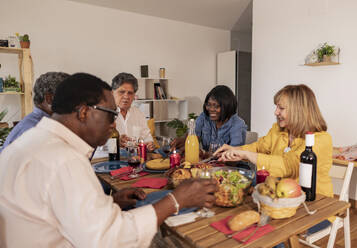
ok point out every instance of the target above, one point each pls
(200, 234)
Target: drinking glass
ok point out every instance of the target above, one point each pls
(213, 148)
(165, 145)
(134, 161)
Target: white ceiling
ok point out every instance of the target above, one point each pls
(222, 14)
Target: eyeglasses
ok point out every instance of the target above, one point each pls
(113, 116)
(212, 106)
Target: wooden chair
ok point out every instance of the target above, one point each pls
(151, 125)
(339, 222)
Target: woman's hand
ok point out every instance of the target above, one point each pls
(178, 144)
(222, 149)
(238, 155)
(231, 155)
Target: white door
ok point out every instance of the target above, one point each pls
(227, 69)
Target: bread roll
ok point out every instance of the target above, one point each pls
(243, 220)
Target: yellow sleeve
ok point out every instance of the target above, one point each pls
(263, 145)
(285, 165)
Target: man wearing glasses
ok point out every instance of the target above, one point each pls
(131, 122)
(50, 195)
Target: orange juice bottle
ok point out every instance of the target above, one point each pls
(192, 146)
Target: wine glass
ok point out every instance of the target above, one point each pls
(165, 145)
(134, 161)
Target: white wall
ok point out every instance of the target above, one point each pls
(284, 32)
(71, 37)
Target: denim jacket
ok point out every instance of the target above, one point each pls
(232, 132)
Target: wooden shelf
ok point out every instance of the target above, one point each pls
(323, 63)
(26, 74)
(11, 50)
(11, 93)
(159, 100)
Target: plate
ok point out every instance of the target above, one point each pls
(108, 166)
(153, 171)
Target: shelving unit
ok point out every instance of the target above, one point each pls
(162, 110)
(323, 63)
(25, 71)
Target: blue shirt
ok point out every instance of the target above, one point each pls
(232, 132)
(28, 122)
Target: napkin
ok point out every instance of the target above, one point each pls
(222, 226)
(127, 177)
(154, 183)
(123, 170)
(181, 219)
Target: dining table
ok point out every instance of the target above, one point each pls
(200, 233)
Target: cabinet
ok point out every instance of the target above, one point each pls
(162, 110)
(25, 71)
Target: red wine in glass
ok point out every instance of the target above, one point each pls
(134, 163)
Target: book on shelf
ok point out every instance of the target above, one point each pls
(159, 92)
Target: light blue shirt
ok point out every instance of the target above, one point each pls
(232, 132)
(28, 122)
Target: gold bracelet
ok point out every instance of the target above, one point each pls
(177, 206)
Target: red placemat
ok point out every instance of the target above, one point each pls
(154, 183)
(222, 226)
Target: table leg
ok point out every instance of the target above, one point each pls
(294, 242)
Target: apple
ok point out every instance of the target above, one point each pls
(288, 188)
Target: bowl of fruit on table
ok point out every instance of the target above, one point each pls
(278, 198)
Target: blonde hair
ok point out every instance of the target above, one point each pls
(303, 112)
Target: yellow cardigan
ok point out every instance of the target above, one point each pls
(271, 156)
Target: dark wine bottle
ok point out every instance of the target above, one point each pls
(307, 171)
(114, 146)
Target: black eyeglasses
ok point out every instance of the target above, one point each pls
(113, 116)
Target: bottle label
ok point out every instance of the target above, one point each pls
(112, 145)
(305, 175)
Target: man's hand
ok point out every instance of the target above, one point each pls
(150, 146)
(123, 140)
(196, 193)
(127, 197)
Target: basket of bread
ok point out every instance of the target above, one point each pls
(278, 198)
(233, 184)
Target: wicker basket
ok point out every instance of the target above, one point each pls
(278, 208)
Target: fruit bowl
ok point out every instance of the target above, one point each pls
(233, 184)
(278, 208)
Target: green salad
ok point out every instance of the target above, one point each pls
(232, 182)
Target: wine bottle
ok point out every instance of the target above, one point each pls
(114, 146)
(307, 170)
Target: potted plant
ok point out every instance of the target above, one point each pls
(325, 52)
(10, 84)
(180, 126)
(4, 129)
(24, 40)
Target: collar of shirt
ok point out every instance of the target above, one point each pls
(67, 135)
(39, 112)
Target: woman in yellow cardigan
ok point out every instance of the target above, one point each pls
(279, 151)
